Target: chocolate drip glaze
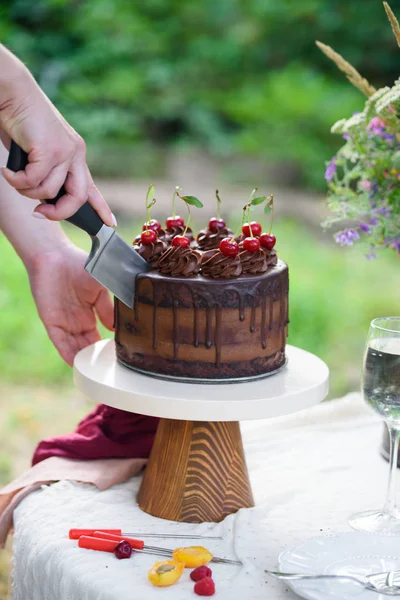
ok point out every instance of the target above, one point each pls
(195, 324)
(155, 316)
(178, 261)
(210, 240)
(253, 317)
(175, 332)
(263, 320)
(195, 310)
(253, 262)
(152, 252)
(218, 266)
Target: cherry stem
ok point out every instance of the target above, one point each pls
(246, 214)
(248, 207)
(147, 214)
(149, 204)
(189, 215)
(176, 193)
(188, 220)
(243, 222)
(272, 213)
(218, 204)
(238, 231)
(252, 195)
(248, 220)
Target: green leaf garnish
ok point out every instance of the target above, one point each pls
(192, 200)
(258, 200)
(268, 206)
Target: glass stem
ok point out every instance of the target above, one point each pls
(390, 507)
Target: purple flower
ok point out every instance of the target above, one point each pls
(371, 255)
(396, 245)
(330, 170)
(374, 221)
(388, 136)
(347, 237)
(364, 227)
(346, 136)
(385, 211)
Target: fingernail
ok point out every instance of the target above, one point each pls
(114, 220)
(38, 215)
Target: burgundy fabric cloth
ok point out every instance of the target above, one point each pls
(105, 433)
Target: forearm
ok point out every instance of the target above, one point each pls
(31, 238)
(14, 77)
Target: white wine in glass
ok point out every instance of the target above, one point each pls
(381, 389)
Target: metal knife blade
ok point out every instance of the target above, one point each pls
(115, 264)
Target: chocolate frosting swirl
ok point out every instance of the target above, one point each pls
(171, 232)
(218, 266)
(253, 262)
(239, 238)
(151, 252)
(209, 240)
(177, 261)
(271, 256)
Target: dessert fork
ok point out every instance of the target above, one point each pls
(382, 583)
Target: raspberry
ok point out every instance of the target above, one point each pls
(205, 587)
(200, 573)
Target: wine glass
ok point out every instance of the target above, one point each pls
(381, 389)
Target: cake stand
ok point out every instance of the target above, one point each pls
(197, 470)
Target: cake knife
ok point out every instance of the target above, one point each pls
(112, 262)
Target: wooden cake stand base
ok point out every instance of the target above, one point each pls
(196, 472)
(197, 469)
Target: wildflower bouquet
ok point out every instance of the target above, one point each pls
(364, 176)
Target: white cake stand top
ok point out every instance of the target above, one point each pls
(302, 383)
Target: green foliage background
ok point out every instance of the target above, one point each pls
(231, 76)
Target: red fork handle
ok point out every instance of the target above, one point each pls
(75, 534)
(92, 543)
(136, 544)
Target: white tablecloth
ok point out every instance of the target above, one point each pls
(309, 472)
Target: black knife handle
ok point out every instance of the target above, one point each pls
(85, 218)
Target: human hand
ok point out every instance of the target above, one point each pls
(68, 300)
(57, 154)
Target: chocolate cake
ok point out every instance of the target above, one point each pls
(208, 310)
